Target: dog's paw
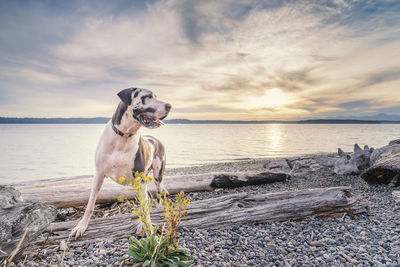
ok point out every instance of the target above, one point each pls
(78, 230)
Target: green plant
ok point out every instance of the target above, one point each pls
(154, 251)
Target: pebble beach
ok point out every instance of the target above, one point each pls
(371, 239)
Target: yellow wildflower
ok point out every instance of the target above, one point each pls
(122, 180)
(121, 198)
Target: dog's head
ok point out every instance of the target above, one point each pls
(146, 108)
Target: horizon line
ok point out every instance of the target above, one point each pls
(102, 120)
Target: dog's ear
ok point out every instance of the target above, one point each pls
(126, 95)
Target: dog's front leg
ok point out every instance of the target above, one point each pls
(80, 228)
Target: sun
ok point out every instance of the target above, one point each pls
(273, 98)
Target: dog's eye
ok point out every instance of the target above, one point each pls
(151, 96)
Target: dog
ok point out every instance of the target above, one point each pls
(122, 150)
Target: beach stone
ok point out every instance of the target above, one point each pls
(17, 215)
(396, 196)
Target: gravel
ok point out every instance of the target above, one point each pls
(363, 240)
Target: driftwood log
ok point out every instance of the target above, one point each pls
(386, 166)
(377, 166)
(20, 222)
(232, 209)
(353, 163)
(74, 192)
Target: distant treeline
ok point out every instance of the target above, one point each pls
(103, 120)
(99, 120)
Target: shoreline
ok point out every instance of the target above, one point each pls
(230, 165)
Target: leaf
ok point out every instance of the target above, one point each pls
(146, 263)
(134, 255)
(134, 241)
(185, 263)
(169, 263)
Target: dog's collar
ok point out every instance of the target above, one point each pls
(122, 133)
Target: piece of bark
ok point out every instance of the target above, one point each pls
(220, 212)
(74, 192)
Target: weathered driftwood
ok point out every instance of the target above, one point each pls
(75, 191)
(232, 209)
(20, 220)
(381, 165)
(278, 165)
(386, 167)
(353, 163)
(232, 180)
(305, 166)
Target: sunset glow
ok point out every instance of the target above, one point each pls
(273, 98)
(209, 59)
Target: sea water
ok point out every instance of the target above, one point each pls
(43, 151)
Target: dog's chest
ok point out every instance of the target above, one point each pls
(117, 159)
(119, 164)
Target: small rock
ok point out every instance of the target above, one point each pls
(316, 244)
(396, 196)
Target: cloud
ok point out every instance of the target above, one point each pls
(387, 75)
(210, 58)
(355, 104)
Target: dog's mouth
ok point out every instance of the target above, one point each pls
(150, 122)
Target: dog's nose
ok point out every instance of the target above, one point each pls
(167, 107)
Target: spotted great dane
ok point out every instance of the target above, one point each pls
(122, 150)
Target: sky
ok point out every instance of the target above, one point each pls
(225, 59)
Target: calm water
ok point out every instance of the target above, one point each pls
(40, 151)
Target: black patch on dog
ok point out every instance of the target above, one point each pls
(232, 181)
(149, 110)
(140, 161)
(126, 95)
(161, 173)
(144, 98)
(137, 93)
(121, 109)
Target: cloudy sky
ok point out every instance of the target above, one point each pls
(220, 59)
